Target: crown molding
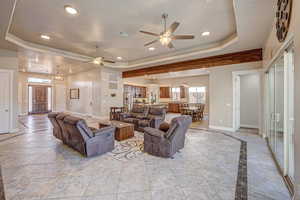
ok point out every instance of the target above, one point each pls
(44, 49)
(154, 60)
(187, 53)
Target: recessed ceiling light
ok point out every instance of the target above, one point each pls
(119, 58)
(206, 33)
(151, 48)
(45, 37)
(71, 10)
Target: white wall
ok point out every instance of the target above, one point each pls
(249, 100)
(9, 60)
(221, 94)
(95, 94)
(85, 82)
(107, 100)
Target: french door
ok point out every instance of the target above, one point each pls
(289, 113)
(280, 107)
(40, 99)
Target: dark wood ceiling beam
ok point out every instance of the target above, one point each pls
(213, 61)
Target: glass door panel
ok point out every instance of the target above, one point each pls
(289, 110)
(271, 91)
(279, 111)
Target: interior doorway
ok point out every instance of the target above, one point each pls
(39, 99)
(246, 99)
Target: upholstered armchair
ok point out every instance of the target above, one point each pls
(166, 143)
(60, 119)
(136, 113)
(86, 141)
(57, 132)
(156, 115)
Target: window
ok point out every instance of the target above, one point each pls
(197, 95)
(176, 94)
(49, 95)
(30, 99)
(38, 80)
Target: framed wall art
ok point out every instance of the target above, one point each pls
(74, 93)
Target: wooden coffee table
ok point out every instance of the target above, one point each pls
(123, 130)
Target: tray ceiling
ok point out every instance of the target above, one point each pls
(100, 22)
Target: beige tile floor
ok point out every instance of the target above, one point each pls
(35, 165)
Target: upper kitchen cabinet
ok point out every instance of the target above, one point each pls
(182, 92)
(164, 92)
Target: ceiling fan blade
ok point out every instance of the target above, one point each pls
(173, 27)
(183, 37)
(108, 61)
(94, 61)
(149, 43)
(88, 61)
(170, 45)
(149, 33)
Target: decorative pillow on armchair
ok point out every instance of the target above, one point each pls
(164, 127)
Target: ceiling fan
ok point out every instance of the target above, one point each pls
(166, 37)
(100, 60)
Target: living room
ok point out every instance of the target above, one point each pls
(102, 101)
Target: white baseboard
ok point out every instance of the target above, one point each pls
(248, 126)
(223, 128)
(14, 130)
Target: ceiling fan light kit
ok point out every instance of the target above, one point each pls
(71, 10)
(165, 39)
(100, 60)
(96, 62)
(167, 36)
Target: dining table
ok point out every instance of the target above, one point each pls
(192, 111)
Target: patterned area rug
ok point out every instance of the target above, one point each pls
(129, 149)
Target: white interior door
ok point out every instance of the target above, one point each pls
(4, 102)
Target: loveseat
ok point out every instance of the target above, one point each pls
(75, 133)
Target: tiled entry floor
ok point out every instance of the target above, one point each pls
(37, 166)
